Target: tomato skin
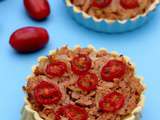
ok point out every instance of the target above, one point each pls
(71, 112)
(56, 69)
(81, 64)
(101, 4)
(37, 9)
(114, 101)
(92, 80)
(113, 69)
(129, 4)
(29, 39)
(46, 93)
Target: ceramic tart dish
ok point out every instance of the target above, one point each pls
(112, 16)
(83, 84)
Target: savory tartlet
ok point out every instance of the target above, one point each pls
(113, 9)
(83, 84)
(111, 16)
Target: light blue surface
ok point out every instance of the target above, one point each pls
(142, 45)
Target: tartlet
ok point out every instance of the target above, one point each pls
(83, 84)
(112, 16)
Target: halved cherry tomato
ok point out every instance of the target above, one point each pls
(112, 102)
(101, 3)
(56, 69)
(72, 112)
(81, 64)
(129, 4)
(87, 82)
(113, 69)
(47, 93)
(37, 9)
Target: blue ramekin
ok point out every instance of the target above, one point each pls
(110, 26)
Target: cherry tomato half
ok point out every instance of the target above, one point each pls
(88, 82)
(56, 69)
(37, 9)
(101, 3)
(129, 4)
(29, 39)
(81, 64)
(72, 112)
(112, 102)
(113, 69)
(47, 93)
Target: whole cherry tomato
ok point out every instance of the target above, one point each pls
(37, 9)
(29, 39)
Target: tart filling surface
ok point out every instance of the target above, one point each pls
(84, 84)
(113, 9)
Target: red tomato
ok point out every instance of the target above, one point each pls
(29, 39)
(88, 82)
(129, 4)
(81, 64)
(72, 112)
(56, 69)
(101, 3)
(46, 93)
(37, 9)
(113, 69)
(112, 102)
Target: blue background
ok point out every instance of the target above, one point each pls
(142, 45)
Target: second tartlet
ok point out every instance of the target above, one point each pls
(112, 16)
